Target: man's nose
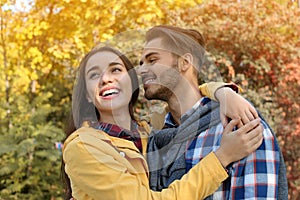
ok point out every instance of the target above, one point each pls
(143, 68)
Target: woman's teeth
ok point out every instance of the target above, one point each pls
(110, 92)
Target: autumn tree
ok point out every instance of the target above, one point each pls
(40, 48)
(256, 44)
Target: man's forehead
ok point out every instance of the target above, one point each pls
(155, 45)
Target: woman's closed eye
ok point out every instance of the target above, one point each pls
(94, 75)
(116, 69)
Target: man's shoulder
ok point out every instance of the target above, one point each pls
(267, 130)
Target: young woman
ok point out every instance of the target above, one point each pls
(103, 158)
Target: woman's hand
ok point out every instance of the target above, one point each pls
(233, 106)
(238, 144)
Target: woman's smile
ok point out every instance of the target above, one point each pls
(109, 92)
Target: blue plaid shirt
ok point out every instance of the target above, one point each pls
(254, 177)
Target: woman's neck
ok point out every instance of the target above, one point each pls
(121, 118)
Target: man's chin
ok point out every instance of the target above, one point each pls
(149, 96)
(154, 96)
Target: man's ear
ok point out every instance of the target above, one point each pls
(185, 61)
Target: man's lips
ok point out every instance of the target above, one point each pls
(148, 79)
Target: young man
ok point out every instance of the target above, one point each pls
(170, 66)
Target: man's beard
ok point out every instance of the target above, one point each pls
(168, 81)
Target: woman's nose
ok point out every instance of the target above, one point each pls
(106, 77)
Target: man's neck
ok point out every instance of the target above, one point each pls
(182, 101)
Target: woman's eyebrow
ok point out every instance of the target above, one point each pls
(92, 68)
(115, 63)
(110, 64)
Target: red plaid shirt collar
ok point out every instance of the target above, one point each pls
(116, 131)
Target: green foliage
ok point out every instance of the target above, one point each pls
(29, 162)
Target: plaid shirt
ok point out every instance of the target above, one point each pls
(116, 131)
(254, 177)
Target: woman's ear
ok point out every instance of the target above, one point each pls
(185, 61)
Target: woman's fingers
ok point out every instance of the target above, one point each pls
(240, 143)
(256, 136)
(224, 119)
(249, 126)
(253, 112)
(230, 126)
(248, 116)
(244, 118)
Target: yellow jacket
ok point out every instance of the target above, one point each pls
(109, 168)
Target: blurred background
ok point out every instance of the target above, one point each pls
(254, 43)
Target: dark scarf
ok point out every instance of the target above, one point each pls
(166, 148)
(116, 131)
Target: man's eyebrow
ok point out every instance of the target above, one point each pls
(147, 56)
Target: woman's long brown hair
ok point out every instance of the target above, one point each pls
(82, 110)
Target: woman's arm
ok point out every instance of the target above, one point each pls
(98, 171)
(232, 105)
